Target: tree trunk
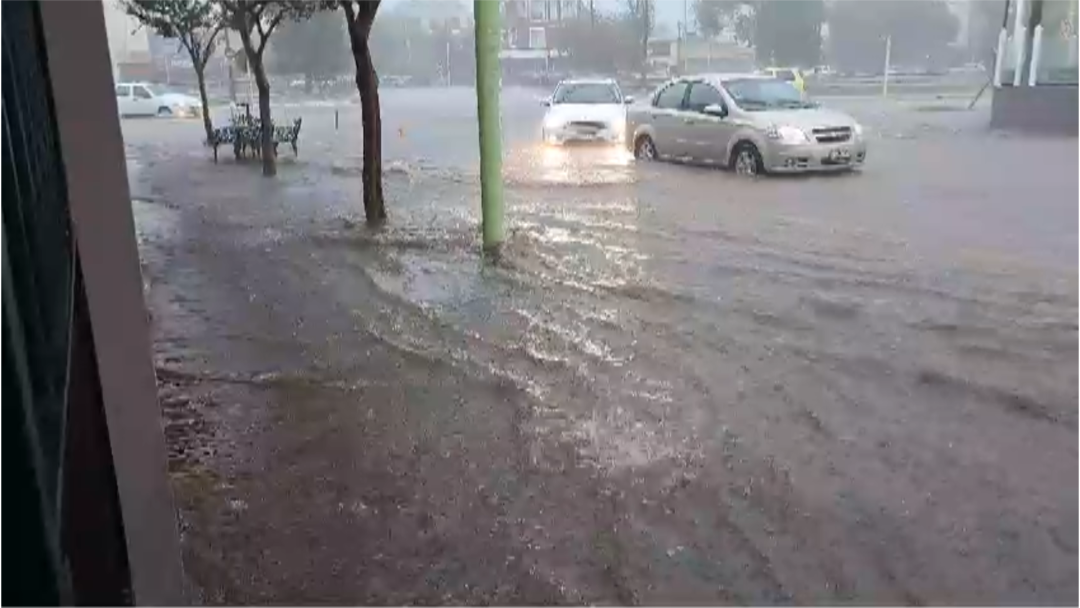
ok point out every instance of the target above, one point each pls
(367, 83)
(257, 69)
(200, 76)
(269, 162)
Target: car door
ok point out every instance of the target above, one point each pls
(667, 115)
(145, 102)
(706, 135)
(123, 99)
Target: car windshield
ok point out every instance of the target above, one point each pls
(765, 94)
(586, 93)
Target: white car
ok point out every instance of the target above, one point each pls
(585, 111)
(143, 99)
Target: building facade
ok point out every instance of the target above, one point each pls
(1035, 71)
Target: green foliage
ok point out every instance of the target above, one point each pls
(195, 23)
(921, 31)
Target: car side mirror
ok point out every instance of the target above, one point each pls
(716, 109)
(546, 102)
(629, 99)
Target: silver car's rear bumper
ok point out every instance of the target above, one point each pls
(783, 158)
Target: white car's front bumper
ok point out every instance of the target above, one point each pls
(565, 134)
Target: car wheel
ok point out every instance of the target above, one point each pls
(746, 160)
(164, 111)
(645, 149)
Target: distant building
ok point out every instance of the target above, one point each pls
(129, 44)
(699, 54)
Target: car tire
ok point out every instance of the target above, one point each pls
(746, 160)
(645, 149)
(164, 111)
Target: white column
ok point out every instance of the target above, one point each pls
(1019, 38)
(999, 59)
(888, 60)
(1036, 55)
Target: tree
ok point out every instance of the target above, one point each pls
(599, 43)
(359, 17)
(315, 48)
(255, 21)
(788, 32)
(921, 32)
(196, 24)
(784, 32)
(642, 15)
(713, 16)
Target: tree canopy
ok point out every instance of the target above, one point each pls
(783, 32)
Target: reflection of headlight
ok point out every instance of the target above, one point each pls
(787, 134)
(857, 128)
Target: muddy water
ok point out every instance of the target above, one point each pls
(892, 377)
(821, 388)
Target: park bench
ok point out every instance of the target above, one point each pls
(243, 134)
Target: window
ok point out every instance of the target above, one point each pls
(537, 38)
(671, 97)
(123, 90)
(701, 96)
(142, 93)
(785, 75)
(764, 94)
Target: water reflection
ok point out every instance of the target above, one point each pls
(582, 165)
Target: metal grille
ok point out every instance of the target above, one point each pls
(37, 239)
(587, 125)
(828, 135)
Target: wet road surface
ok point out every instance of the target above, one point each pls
(674, 386)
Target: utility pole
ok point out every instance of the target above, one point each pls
(488, 83)
(888, 60)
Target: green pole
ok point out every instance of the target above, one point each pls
(488, 82)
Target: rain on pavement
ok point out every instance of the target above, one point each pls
(673, 386)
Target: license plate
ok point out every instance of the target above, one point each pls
(840, 156)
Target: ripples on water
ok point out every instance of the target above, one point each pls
(643, 313)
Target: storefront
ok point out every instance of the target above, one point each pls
(1035, 72)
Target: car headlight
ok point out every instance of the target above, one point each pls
(857, 129)
(619, 125)
(553, 123)
(787, 134)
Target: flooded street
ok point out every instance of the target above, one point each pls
(675, 385)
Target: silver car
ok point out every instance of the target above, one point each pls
(751, 123)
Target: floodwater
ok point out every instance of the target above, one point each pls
(707, 389)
